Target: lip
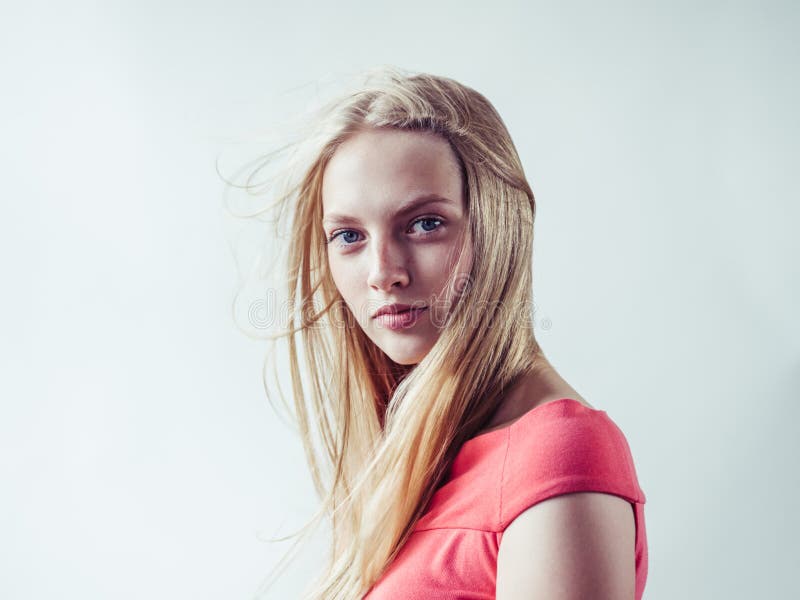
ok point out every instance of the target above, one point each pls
(393, 309)
(401, 319)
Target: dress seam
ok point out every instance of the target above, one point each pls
(502, 477)
(453, 527)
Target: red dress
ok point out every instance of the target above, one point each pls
(555, 448)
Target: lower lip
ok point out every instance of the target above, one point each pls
(401, 320)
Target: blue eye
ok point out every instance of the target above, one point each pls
(428, 220)
(348, 237)
(345, 234)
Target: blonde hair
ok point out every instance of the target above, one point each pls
(390, 432)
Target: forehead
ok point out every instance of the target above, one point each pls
(385, 167)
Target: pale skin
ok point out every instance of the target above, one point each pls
(394, 215)
(571, 547)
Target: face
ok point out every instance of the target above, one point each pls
(395, 221)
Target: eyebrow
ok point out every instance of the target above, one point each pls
(407, 207)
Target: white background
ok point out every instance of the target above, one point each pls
(140, 458)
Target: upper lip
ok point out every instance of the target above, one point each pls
(392, 309)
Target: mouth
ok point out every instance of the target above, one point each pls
(402, 319)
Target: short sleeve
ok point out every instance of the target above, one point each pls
(568, 447)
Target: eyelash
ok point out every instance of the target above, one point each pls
(336, 234)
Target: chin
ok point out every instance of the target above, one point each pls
(408, 351)
(405, 361)
(404, 357)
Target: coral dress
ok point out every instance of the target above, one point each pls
(555, 448)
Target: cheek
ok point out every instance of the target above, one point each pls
(345, 278)
(456, 263)
(463, 279)
(465, 265)
(338, 275)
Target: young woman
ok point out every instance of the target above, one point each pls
(456, 462)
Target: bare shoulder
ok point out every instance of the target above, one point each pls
(532, 391)
(569, 547)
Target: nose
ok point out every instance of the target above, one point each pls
(387, 267)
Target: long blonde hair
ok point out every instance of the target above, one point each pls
(390, 432)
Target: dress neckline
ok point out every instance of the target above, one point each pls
(526, 415)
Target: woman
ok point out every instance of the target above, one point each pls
(460, 463)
